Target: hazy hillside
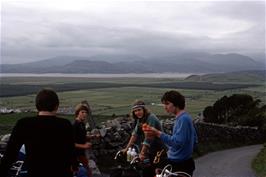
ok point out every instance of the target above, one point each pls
(183, 63)
(232, 62)
(241, 76)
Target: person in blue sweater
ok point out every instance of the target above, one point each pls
(183, 139)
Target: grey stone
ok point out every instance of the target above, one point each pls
(5, 138)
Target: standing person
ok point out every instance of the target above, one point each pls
(48, 140)
(80, 135)
(91, 121)
(183, 139)
(149, 147)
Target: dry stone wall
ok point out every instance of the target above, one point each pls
(116, 133)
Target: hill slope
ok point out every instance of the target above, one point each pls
(186, 63)
(240, 76)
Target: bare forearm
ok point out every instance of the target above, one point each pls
(144, 149)
(131, 141)
(82, 146)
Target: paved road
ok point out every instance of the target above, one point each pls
(228, 163)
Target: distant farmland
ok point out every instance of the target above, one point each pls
(9, 90)
(109, 96)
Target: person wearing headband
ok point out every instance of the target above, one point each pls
(148, 146)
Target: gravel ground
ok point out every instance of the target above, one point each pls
(228, 163)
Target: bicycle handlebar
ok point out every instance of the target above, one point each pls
(117, 154)
(168, 172)
(135, 160)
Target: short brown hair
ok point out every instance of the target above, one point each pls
(46, 100)
(81, 107)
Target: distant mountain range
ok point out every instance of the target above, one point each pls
(183, 63)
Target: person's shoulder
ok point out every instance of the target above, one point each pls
(26, 119)
(25, 122)
(186, 116)
(76, 123)
(152, 117)
(63, 121)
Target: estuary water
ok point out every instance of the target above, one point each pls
(129, 75)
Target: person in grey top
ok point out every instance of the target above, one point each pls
(148, 146)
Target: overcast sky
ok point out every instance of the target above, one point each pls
(35, 30)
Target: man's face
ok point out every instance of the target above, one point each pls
(139, 112)
(169, 107)
(83, 114)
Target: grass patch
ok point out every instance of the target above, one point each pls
(259, 163)
(109, 101)
(8, 121)
(106, 98)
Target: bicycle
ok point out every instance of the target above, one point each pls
(16, 170)
(126, 169)
(135, 166)
(167, 172)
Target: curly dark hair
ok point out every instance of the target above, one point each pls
(174, 97)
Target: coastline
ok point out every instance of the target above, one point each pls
(99, 75)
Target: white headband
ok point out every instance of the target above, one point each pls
(138, 106)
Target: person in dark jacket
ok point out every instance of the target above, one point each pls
(80, 135)
(48, 140)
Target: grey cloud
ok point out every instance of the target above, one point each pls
(244, 10)
(40, 33)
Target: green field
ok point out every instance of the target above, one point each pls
(112, 98)
(109, 100)
(117, 101)
(7, 121)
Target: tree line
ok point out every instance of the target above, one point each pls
(237, 109)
